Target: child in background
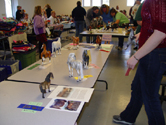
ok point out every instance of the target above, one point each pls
(39, 28)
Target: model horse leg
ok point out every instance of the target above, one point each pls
(69, 70)
(79, 78)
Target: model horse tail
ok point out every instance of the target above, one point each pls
(41, 88)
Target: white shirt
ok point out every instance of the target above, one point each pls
(134, 10)
(52, 20)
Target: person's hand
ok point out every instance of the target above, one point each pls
(137, 36)
(131, 62)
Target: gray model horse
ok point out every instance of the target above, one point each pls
(73, 63)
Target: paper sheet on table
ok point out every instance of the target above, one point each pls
(72, 93)
(65, 105)
(86, 76)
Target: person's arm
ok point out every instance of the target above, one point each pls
(149, 45)
(139, 23)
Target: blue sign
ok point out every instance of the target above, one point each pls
(31, 107)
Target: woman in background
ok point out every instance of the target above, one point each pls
(121, 20)
(105, 13)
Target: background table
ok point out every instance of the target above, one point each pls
(12, 94)
(60, 70)
(119, 32)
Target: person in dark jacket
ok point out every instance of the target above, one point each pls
(48, 10)
(78, 14)
(19, 13)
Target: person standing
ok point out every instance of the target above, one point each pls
(90, 15)
(105, 13)
(152, 64)
(121, 20)
(78, 14)
(48, 10)
(19, 13)
(39, 28)
(134, 11)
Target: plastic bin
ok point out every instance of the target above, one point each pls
(26, 58)
(12, 66)
(3, 74)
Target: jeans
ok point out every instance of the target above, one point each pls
(121, 39)
(145, 88)
(79, 28)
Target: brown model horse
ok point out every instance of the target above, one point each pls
(75, 40)
(98, 40)
(45, 53)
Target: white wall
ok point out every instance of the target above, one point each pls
(29, 5)
(66, 6)
(2, 8)
(60, 6)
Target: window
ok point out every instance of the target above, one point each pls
(8, 7)
(131, 2)
(87, 3)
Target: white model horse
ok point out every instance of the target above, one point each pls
(131, 38)
(73, 63)
(56, 45)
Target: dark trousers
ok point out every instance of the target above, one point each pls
(79, 28)
(145, 88)
(121, 39)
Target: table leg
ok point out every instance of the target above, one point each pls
(105, 83)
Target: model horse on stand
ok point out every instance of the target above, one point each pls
(46, 84)
(45, 53)
(75, 42)
(75, 64)
(131, 38)
(85, 58)
(98, 41)
(56, 45)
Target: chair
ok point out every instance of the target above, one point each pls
(163, 84)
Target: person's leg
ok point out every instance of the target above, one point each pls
(87, 38)
(121, 40)
(40, 50)
(133, 108)
(150, 87)
(77, 28)
(81, 28)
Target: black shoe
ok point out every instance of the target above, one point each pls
(117, 119)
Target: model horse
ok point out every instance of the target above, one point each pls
(75, 42)
(131, 38)
(45, 53)
(75, 64)
(56, 45)
(46, 84)
(85, 58)
(98, 41)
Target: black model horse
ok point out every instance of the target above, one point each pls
(85, 58)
